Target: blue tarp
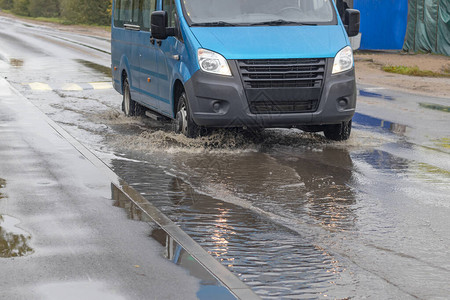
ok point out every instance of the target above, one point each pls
(383, 23)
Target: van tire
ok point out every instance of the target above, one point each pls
(183, 122)
(311, 128)
(338, 132)
(128, 105)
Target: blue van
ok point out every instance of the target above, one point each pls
(237, 63)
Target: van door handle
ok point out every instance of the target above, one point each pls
(152, 40)
(132, 27)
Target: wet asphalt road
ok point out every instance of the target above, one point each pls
(293, 215)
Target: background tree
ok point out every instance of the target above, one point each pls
(44, 8)
(86, 11)
(6, 4)
(20, 7)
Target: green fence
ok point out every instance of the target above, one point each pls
(428, 26)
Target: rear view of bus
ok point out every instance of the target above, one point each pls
(237, 63)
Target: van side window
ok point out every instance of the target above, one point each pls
(148, 6)
(136, 11)
(123, 12)
(169, 6)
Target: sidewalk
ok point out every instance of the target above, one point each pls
(58, 207)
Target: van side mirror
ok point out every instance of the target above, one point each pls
(352, 21)
(159, 23)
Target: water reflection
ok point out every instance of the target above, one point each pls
(366, 93)
(2, 186)
(209, 286)
(271, 259)
(16, 62)
(294, 184)
(384, 161)
(366, 120)
(14, 242)
(96, 67)
(327, 196)
(185, 198)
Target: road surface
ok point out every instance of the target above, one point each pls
(291, 214)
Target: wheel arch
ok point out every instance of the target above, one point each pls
(123, 76)
(178, 89)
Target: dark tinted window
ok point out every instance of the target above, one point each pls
(148, 6)
(169, 6)
(134, 12)
(123, 12)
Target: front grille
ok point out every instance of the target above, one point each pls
(261, 107)
(282, 73)
(283, 85)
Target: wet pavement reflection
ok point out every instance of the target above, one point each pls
(16, 62)
(14, 242)
(2, 186)
(210, 287)
(95, 67)
(270, 258)
(370, 94)
(273, 211)
(366, 120)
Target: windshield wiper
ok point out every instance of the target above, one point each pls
(214, 24)
(281, 22)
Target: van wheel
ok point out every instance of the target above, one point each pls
(338, 132)
(128, 105)
(183, 122)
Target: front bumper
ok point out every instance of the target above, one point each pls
(220, 101)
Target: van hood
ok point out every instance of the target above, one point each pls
(274, 42)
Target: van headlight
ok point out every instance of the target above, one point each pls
(213, 62)
(343, 60)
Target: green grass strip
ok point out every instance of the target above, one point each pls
(435, 107)
(413, 71)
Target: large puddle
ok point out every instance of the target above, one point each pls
(210, 287)
(274, 261)
(258, 205)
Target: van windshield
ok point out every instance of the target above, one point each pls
(259, 12)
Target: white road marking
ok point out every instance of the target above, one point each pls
(101, 85)
(71, 87)
(39, 86)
